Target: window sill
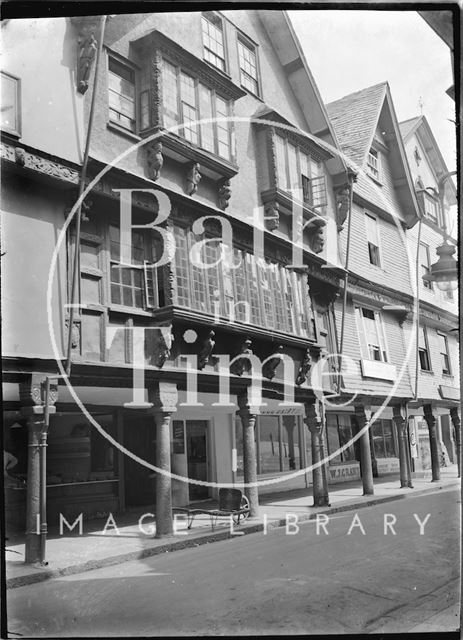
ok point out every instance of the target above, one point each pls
(286, 201)
(376, 180)
(427, 372)
(130, 311)
(15, 135)
(124, 132)
(448, 376)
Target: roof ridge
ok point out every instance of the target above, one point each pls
(364, 90)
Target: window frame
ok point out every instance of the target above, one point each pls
(253, 47)
(224, 40)
(215, 95)
(424, 349)
(134, 69)
(363, 334)
(341, 457)
(377, 248)
(384, 437)
(17, 131)
(445, 356)
(425, 268)
(374, 167)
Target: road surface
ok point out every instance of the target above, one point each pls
(286, 582)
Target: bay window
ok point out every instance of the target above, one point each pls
(186, 100)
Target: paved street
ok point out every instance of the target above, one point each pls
(270, 584)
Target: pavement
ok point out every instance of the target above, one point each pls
(109, 542)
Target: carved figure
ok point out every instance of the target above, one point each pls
(242, 364)
(268, 370)
(304, 369)
(317, 240)
(342, 206)
(206, 351)
(87, 51)
(272, 215)
(162, 348)
(224, 193)
(155, 160)
(192, 179)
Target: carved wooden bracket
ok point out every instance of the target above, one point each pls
(75, 337)
(155, 160)
(316, 237)
(242, 364)
(32, 391)
(193, 178)
(224, 188)
(87, 45)
(304, 368)
(272, 215)
(162, 345)
(268, 370)
(205, 354)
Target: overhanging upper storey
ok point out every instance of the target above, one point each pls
(190, 102)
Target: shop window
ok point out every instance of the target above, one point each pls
(423, 350)
(213, 40)
(444, 354)
(258, 292)
(372, 232)
(121, 94)
(425, 264)
(339, 433)
(10, 104)
(371, 334)
(383, 439)
(249, 75)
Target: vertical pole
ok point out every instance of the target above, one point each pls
(457, 431)
(119, 418)
(365, 452)
(400, 425)
(248, 416)
(164, 398)
(431, 422)
(35, 426)
(313, 419)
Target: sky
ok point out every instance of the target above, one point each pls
(350, 50)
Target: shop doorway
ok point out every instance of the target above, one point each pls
(197, 457)
(140, 439)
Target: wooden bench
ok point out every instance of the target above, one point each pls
(232, 503)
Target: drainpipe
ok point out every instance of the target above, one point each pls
(81, 190)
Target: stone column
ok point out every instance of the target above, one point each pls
(313, 419)
(431, 422)
(36, 407)
(456, 428)
(164, 398)
(365, 451)
(248, 414)
(401, 426)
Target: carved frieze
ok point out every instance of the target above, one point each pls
(42, 165)
(20, 156)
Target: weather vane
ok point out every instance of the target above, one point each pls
(421, 104)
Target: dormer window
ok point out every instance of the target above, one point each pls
(213, 40)
(373, 163)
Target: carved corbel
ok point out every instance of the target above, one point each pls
(155, 160)
(272, 215)
(162, 345)
(32, 392)
(304, 368)
(206, 352)
(224, 190)
(193, 178)
(75, 335)
(271, 363)
(242, 364)
(316, 238)
(86, 49)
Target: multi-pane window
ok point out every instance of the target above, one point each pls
(299, 174)
(431, 207)
(244, 289)
(10, 104)
(371, 334)
(214, 49)
(248, 66)
(423, 350)
(373, 163)
(186, 101)
(134, 285)
(425, 264)
(444, 353)
(372, 231)
(121, 88)
(383, 439)
(339, 433)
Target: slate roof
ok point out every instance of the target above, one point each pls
(407, 125)
(354, 119)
